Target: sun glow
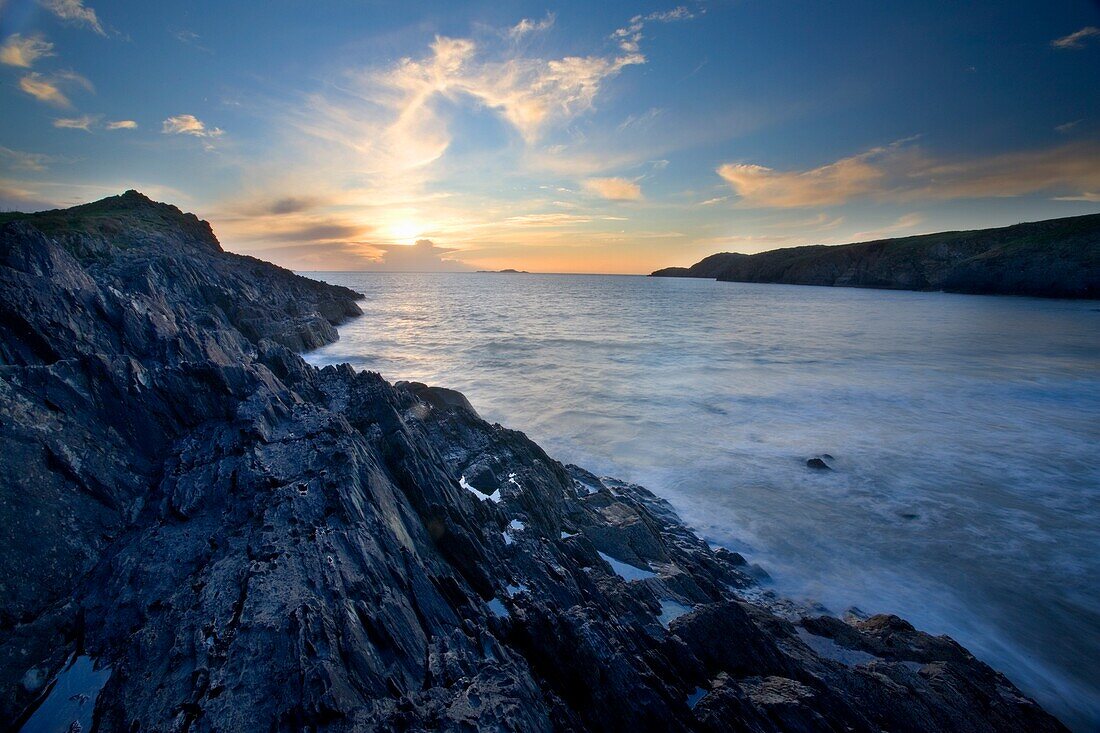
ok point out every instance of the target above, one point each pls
(404, 231)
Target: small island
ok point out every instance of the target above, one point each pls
(506, 271)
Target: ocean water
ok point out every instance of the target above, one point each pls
(965, 432)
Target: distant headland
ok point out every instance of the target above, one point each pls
(1057, 258)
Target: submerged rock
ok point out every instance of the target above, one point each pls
(248, 542)
(818, 464)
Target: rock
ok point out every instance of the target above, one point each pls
(818, 464)
(249, 542)
(1057, 258)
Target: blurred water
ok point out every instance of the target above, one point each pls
(965, 430)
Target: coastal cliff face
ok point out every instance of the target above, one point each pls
(249, 543)
(1059, 258)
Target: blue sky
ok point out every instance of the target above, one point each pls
(590, 137)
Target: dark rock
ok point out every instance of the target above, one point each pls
(1057, 258)
(818, 464)
(252, 543)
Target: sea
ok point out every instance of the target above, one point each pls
(963, 430)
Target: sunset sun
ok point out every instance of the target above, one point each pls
(404, 231)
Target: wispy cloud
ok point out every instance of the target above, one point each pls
(190, 38)
(83, 122)
(904, 223)
(630, 36)
(528, 26)
(289, 205)
(901, 172)
(48, 88)
(193, 126)
(1068, 126)
(713, 201)
(529, 93)
(637, 121)
(1077, 39)
(1090, 196)
(668, 16)
(615, 189)
(21, 160)
(121, 125)
(74, 11)
(829, 184)
(23, 51)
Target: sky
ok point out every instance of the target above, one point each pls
(604, 137)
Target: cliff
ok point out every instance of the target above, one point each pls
(239, 541)
(1059, 258)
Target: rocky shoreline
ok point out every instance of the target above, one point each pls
(238, 540)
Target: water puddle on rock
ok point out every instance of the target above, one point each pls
(70, 702)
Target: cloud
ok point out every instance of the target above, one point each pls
(834, 183)
(424, 256)
(668, 16)
(319, 232)
(193, 126)
(641, 120)
(615, 189)
(713, 201)
(84, 122)
(397, 119)
(122, 125)
(526, 26)
(23, 51)
(1068, 126)
(1090, 196)
(1076, 40)
(903, 223)
(188, 125)
(529, 93)
(48, 88)
(549, 220)
(190, 38)
(901, 172)
(289, 205)
(21, 160)
(74, 11)
(630, 37)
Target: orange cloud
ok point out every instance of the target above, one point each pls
(48, 88)
(904, 173)
(24, 51)
(614, 189)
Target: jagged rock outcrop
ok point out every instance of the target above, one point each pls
(1058, 258)
(250, 543)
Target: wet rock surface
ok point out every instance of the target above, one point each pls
(250, 543)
